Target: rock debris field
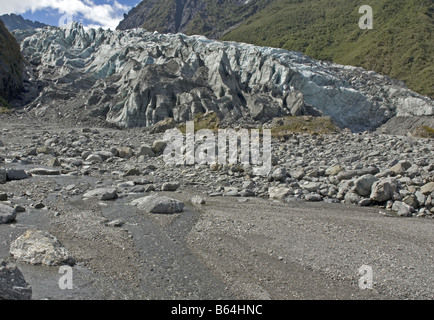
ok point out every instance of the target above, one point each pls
(104, 202)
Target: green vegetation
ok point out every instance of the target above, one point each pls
(400, 45)
(4, 106)
(282, 127)
(209, 120)
(424, 132)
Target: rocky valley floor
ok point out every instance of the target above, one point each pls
(330, 205)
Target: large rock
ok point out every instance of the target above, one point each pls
(104, 155)
(297, 173)
(146, 150)
(125, 152)
(279, 192)
(363, 185)
(352, 197)
(16, 174)
(40, 247)
(102, 194)
(159, 145)
(44, 172)
(196, 199)
(7, 214)
(402, 209)
(13, 286)
(333, 170)
(411, 200)
(312, 186)
(94, 158)
(45, 150)
(313, 197)
(170, 186)
(347, 175)
(401, 167)
(427, 188)
(150, 77)
(3, 176)
(279, 174)
(384, 189)
(159, 204)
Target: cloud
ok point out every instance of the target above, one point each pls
(105, 15)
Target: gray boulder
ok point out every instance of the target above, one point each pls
(333, 170)
(16, 174)
(44, 172)
(383, 189)
(279, 192)
(197, 200)
(146, 150)
(313, 197)
(106, 154)
(279, 174)
(94, 158)
(347, 175)
(7, 214)
(401, 167)
(102, 194)
(159, 204)
(420, 197)
(125, 152)
(312, 186)
(411, 200)
(363, 185)
(3, 176)
(352, 197)
(170, 186)
(402, 209)
(54, 162)
(39, 247)
(13, 286)
(159, 145)
(297, 173)
(427, 188)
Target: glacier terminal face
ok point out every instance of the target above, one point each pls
(135, 78)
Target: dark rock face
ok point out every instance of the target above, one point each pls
(13, 286)
(135, 78)
(11, 66)
(16, 22)
(206, 17)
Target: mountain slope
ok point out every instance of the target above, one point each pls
(400, 45)
(207, 17)
(11, 66)
(16, 22)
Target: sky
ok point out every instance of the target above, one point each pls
(92, 13)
